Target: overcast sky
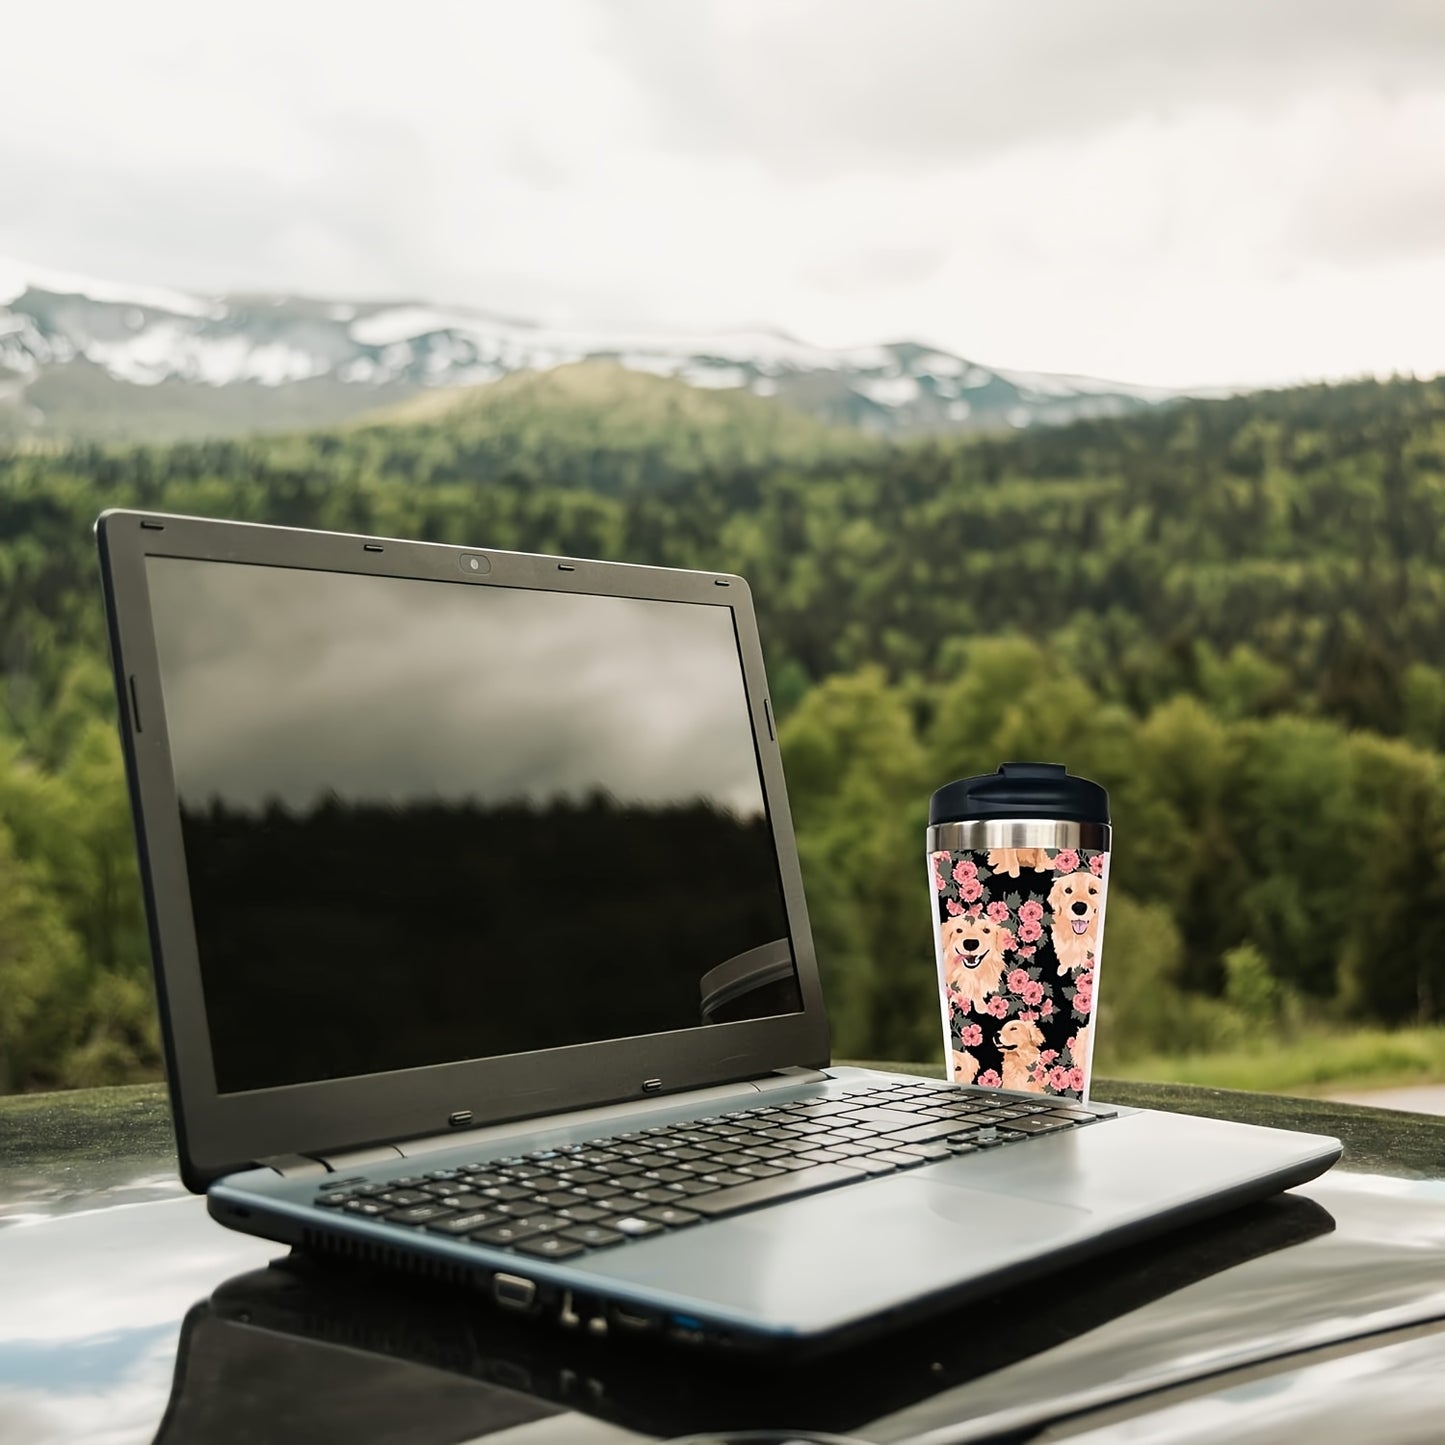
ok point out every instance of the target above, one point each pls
(1169, 191)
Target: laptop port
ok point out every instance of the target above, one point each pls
(626, 1318)
(686, 1330)
(514, 1292)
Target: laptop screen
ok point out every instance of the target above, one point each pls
(429, 821)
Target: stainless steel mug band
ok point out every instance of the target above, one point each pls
(984, 833)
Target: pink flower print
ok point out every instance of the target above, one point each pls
(939, 885)
(1017, 980)
(1029, 1016)
(989, 1079)
(1033, 992)
(1037, 1073)
(1006, 941)
(954, 907)
(1032, 911)
(1030, 931)
(1084, 996)
(1096, 865)
(964, 871)
(997, 1005)
(998, 912)
(1048, 1007)
(970, 888)
(1027, 951)
(971, 1037)
(1065, 861)
(975, 911)
(1058, 1078)
(1048, 1056)
(1076, 1079)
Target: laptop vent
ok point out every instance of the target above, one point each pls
(399, 1261)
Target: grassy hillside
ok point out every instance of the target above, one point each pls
(1232, 613)
(594, 425)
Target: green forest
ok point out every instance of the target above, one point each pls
(1231, 613)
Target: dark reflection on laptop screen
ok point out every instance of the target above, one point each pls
(431, 821)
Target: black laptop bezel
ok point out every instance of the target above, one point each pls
(219, 1134)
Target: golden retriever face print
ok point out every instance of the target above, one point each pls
(972, 955)
(1074, 903)
(1019, 940)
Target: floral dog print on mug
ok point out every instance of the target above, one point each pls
(1019, 936)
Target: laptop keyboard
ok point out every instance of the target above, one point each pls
(562, 1202)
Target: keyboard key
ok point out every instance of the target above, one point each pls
(689, 1187)
(666, 1176)
(418, 1214)
(652, 1196)
(636, 1228)
(760, 1171)
(512, 1232)
(593, 1236)
(333, 1198)
(368, 1208)
(400, 1198)
(883, 1121)
(600, 1191)
(519, 1208)
(869, 1164)
(558, 1199)
(670, 1215)
(899, 1159)
(1037, 1124)
(460, 1224)
(442, 1189)
(764, 1191)
(504, 1191)
(926, 1132)
(584, 1213)
(922, 1151)
(469, 1202)
(725, 1178)
(549, 1246)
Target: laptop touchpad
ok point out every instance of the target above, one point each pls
(975, 1203)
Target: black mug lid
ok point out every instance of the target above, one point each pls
(1021, 790)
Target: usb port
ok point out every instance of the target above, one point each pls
(634, 1321)
(514, 1291)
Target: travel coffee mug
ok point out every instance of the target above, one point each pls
(1019, 867)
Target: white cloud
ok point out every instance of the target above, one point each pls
(1191, 193)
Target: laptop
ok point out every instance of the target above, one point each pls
(482, 953)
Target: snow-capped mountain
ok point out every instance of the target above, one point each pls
(84, 357)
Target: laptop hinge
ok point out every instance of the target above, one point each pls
(294, 1166)
(302, 1166)
(790, 1077)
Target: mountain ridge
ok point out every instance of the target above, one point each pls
(91, 359)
